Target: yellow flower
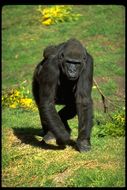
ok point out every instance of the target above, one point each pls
(13, 105)
(46, 16)
(47, 22)
(58, 13)
(17, 93)
(45, 11)
(94, 87)
(26, 102)
(29, 100)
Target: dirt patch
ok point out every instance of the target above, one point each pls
(95, 38)
(121, 64)
(102, 79)
(61, 177)
(119, 93)
(12, 139)
(120, 82)
(105, 42)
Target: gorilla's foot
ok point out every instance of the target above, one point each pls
(64, 141)
(83, 146)
(48, 136)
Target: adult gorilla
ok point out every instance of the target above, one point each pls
(65, 77)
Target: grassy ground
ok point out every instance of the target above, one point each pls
(26, 162)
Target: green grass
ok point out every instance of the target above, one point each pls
(26, 162)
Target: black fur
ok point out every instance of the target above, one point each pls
(65, 76)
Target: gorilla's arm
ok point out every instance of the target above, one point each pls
(47, 88)
(84, 105)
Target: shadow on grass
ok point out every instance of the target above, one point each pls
(27, 136)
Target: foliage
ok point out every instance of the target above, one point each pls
(17, 98)
(54, 14)
(115, 126)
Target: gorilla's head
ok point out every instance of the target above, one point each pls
(73, 59)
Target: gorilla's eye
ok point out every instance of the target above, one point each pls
(75, 62)
(78, 63)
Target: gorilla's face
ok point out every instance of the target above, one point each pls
(73, 59)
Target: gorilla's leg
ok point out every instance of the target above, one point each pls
(66, 113)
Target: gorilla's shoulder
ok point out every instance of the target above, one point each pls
(52, 50)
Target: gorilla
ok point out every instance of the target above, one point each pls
(65, 76)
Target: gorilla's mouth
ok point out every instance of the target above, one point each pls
(72, 77)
